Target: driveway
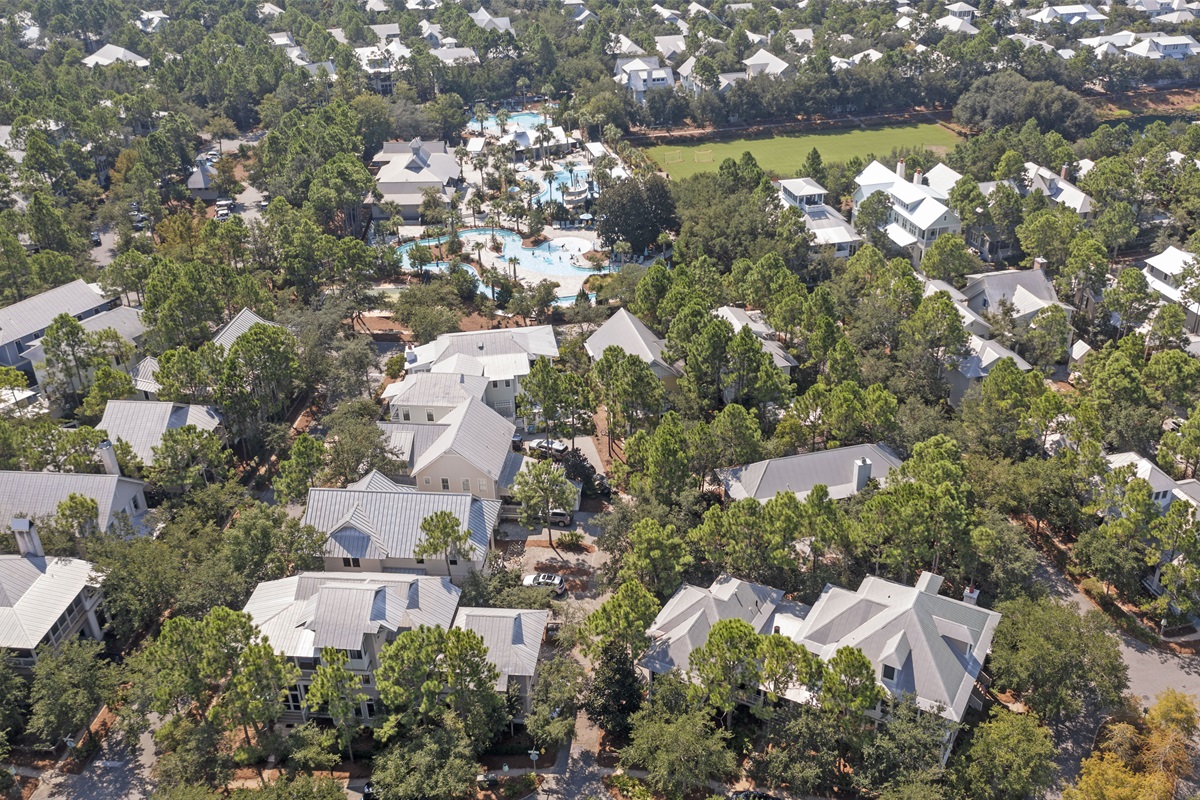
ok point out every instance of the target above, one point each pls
(115, 772)
(107, 251)
(247, 204)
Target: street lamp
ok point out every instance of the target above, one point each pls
(533, 756)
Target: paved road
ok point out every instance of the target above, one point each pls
(115, 772)
(107, 251)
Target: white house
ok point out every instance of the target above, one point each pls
(111, 54)
(152, 21)
(357, 614)
(489, 23)
(38, 494)
(1027, 291)
(429, 397)
(406, 169)
(640, 74)
(44, 601)
(918, 214)
(1160, 47)
(375, 525)
(1058, 189)
(764, 62)
(828, 227)
(1162, 274)
(741, 318)
(143, 423)
(844, 471)
(242, 321)
(1068, 14)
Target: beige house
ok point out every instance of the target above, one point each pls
(430, 397)
(514, 642)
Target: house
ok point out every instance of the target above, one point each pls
(983, 354)
(1159, 47)
(971, 320)
(918, 214)
(26, 321)
(764, 62)
(1058, 189)
(38, 494)
(957, 24)
(630, 334)
(151, 21)
(741, 318)
(640, 74)
(513, 638)
(377, 63)
(1026, 291)
(1068, 14)
(684, 622)
(1163, 488)
(624, 46)
(502, 356)
(844, 471)
(1162, 274)
(801, 37)
(429, 397)
(202, 183)
(828, 227)
(489, 23)
(919, 642)
(142, 423)
(111, 54)
(469, 450)
(44, 601)
(375, 525)
(231, 331)
(671, 47)
(269, 11)
(355, 613)
(454, 56)
(125, 321)
(144, 382)
(404, 170)
(282, 39)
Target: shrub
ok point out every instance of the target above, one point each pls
(571, 540)
(519, 786)
(395, 365)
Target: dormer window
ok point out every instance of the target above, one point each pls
(889, 672)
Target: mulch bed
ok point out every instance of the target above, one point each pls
(579, 548)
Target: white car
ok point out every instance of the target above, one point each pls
(544, 580)
(552, 446)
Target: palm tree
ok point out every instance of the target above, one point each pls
(571, 172)
(480, 114)
(513, 261)
(622, 249)
(585, 122)
(664, 241)
(502, 120)
(544, 137)
(531, 189)
(523, 87)
(548, 176)
(476, 206)
(477, 246)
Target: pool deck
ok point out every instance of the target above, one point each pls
(568, 284)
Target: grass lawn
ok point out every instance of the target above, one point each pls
(785, 154)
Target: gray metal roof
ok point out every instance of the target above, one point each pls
(408, 440)
(143, 374)
(629, 333)
(389, 523)
(35, 313)
(936, 644)
(241, 323)
(376, 481)
(684, 622)
(37, 494)
(435, 389)
(801, 473)
(126, 321)
(494, 349)
(513, 638)
(34, 592)
(142, 423)
(302, 614)
(476, 433)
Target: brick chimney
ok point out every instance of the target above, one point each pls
(1065, 172)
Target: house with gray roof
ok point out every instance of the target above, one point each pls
(921, 643)
(429, 397)
(844, 471)
(202, 183)
(126, 322)
(503, 356)
(741, 318)
(630, 334)
(684, 622)
(357, 614)
(1059, 189)
(404, 170)
(26, 321)
(229, 333)
(44, 601)
(144, 380)
(982, 355)
(142, 423)
(38, 494)
(1027, 291)
(513, 637)
(469, 450)
(375, 527)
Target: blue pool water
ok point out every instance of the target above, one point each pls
(561, 179)
(552, 258)
(520, 120)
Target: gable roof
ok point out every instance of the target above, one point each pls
(435, 389)
(493, 350)
(142, 423)
(629, 333)
(513, 637)
(388, 523)
(37, 494)
(1056, 188)
(684, 622)
(1143, 468)
(1029, 290)
(302, 614)
(143, 375)
(801, 473)
(124, 320)
(936, 644)
(111, 54)
(34, 593)
(36, 313)
(241, 322)
(477, 434)
(984, 354)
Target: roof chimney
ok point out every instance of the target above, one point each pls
(862, 473)
(917, 177)
(971, 595)
(108, 457)
(1065, 172)
(1039, 263)
(410, 354)
(28, 541)
(929, 583)
(900, 169)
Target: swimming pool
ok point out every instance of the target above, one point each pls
(562, 178)
(561, 257)
(519, 120)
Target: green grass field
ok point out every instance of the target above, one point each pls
(785, 154)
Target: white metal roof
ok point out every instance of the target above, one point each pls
(36, 313)
(513, 638)
(142, 423)
(34, 592)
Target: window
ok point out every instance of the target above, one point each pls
(351, 562)
(445, 484)
(355, 655)
(429, 415)
(306, 663)
(495, 384)
(507, 384)
(466, 484)
(426, 480)
(889, 672)
(295, 700)
(136, 505)
(482, 486)
(405, 415)
(420, 561)
(370, 710)
(454, 562)
(366, 680)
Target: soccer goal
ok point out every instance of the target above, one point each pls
(674, 157)
(703, 156)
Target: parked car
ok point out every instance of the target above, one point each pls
(554, 448)
(601, 485)
(562, 518)
(517, 444)
(544, 580)
(95, 238)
